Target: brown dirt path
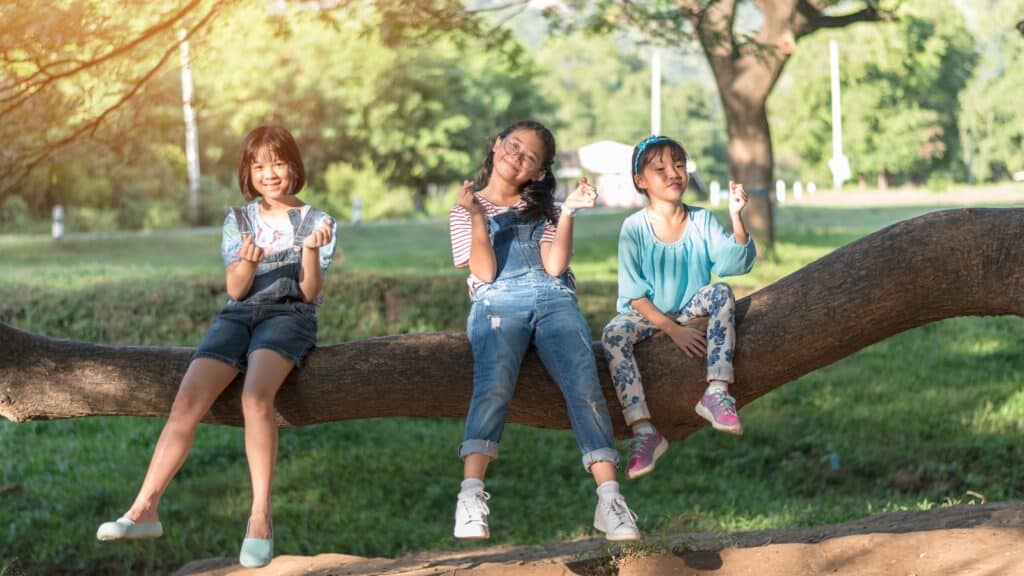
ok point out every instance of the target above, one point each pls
(983, 540)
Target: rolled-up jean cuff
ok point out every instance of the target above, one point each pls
(636, 413)
(485, 447)
(723, 374)
(600, 455)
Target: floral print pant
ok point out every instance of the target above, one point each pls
(625, 330)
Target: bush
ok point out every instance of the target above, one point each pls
(162, 214)
(939, 181)
(87, 219)
(440, 201)
(14, 214)
(379, 199)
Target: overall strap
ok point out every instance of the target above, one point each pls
(304, 227)
(242, 220)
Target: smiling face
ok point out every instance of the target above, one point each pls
(663, 176)
(519, 157)
(270, 175)
(270, 165)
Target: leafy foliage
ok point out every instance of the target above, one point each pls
(381, 87)
(991, 120)
(900, 82)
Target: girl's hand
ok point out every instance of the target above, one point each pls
(584, 196)
(467, 199)
(737, 198)
(249, 251)
(320, 237)
(690, 340)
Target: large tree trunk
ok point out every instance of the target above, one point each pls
(745, 75)
(746, 72)
(751, 161)
(967, 262)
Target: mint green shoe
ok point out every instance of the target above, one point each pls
(125, 529)
(256, 552)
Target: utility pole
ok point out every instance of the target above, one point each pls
(839, 164)
(656, 91)
(191, 135)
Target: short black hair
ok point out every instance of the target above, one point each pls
(650, 148)
(278, 141)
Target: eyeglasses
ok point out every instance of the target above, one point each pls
(514, 148)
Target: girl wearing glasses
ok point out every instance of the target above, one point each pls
(517, 246)
(667, 252)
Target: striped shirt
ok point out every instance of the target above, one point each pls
(460, 228)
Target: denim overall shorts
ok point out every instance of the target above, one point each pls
(273, 315)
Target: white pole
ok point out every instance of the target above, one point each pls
(656, 91)
(191, 135)
(839, 163)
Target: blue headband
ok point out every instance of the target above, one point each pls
(643, 146)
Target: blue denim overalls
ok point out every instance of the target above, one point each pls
(526, 305)
(277, 277)
(273, 314)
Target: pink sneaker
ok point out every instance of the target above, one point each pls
(644, 451)
(719, 409)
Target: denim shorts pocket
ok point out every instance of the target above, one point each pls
(305, 311)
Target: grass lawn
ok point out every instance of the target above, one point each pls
(925, 418)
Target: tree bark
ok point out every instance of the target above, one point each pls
(746, 72)
(967, 262)
(745, 75)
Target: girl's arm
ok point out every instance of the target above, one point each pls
(312, 278)
(238, 276)
(737, 201)
(482, 262)
(688, 339)
(735, 255)
(556, 254)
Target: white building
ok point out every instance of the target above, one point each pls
(608, 162)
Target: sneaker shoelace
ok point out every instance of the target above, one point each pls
(476, 505)
(637, 444)
(622, 513)
(725, 402)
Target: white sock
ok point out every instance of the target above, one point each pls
(471, 486)
(646, 428)
(718, 386)
(609, 489)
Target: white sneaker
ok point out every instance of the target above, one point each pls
(471, 513)
(615, 519)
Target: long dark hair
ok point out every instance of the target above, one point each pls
(280, 142)
(539, 195)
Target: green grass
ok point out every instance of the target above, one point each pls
(914, 421)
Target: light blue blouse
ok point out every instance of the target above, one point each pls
(670, 274)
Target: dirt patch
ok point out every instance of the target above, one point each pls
(984, 540)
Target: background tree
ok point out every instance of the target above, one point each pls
(900, 86)
(389, 103)
(990, 123)
(747, 56)
(601, 84)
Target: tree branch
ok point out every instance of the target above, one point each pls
(13, 180)
(967, 262)
(28, 86)
(814, 19)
